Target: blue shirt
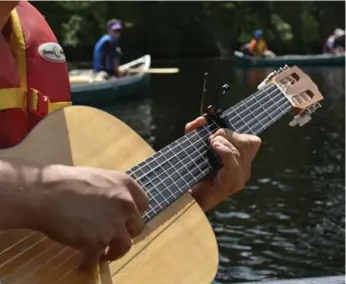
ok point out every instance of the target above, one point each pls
(105, 52)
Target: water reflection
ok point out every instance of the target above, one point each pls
(289, 220)
(136, 114)
(295, 201)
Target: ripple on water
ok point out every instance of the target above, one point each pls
(229, 215)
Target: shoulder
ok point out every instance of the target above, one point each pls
(104, 40)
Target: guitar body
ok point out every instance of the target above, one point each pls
(177, 246)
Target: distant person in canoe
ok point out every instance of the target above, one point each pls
(335, 44)
(257, 46)
(107, 53)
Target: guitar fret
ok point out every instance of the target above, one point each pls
(278, 105)
(257, 110)
(241, 120)
(203, 160)
(181, 166)
(265, 112)
(186, 161)
(170, 172)
(259, 100)
(200, 175)
(274, 101)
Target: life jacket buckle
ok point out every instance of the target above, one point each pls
(39, 104)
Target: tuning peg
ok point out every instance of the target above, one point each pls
(313, 108)
(281, 69)
(301, 120)
(316, 106)
(266, 80)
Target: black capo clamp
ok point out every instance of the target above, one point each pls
(213, 111)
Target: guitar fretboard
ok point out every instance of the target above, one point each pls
(172, 171)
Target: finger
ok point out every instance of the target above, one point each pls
(229, 155)
(199, 121)
(139, 195)
(135, 224)
(248, 145)
(90, 259)
(132, 217)
(120, 245)
(232, 164)
(244, 146)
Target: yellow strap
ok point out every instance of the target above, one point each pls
(12, 98)
(17, 45)
(58, 105)
(15, 98)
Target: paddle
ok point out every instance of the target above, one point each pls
(155, 70)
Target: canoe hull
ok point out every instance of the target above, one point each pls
(109, 91)
(301, 60)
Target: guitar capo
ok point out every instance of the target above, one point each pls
(213, 111)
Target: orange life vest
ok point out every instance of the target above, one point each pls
(33, 74)
(257, 47)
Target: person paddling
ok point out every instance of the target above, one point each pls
(107, 53)
(257, 46)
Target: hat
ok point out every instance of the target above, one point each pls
(339, 32)
(258, 33)
(114, 25)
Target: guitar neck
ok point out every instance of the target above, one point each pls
(172, 171)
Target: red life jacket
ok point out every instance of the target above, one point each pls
(33, 74)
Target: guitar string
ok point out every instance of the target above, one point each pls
(159, 165)
(204, 137)
(22, 252)
(191, 145)
(28, 248)
(8, 276)
(76, 267)
(18, 242)
(232, 109)
(157, 204)
(210, 125)
(54, 269)
(208, 134)
(61, 252)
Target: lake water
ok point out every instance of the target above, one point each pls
(289, 221)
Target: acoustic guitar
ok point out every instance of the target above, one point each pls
(178, 244)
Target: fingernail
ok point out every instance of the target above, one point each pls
(188, 125)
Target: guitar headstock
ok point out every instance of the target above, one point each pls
(299, 89)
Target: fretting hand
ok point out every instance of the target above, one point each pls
(236, 152)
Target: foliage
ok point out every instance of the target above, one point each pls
(178, 29)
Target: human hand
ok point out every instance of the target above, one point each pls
(91, 209)
(236, 152)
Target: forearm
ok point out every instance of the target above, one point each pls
(17, 202)
(116, 68)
